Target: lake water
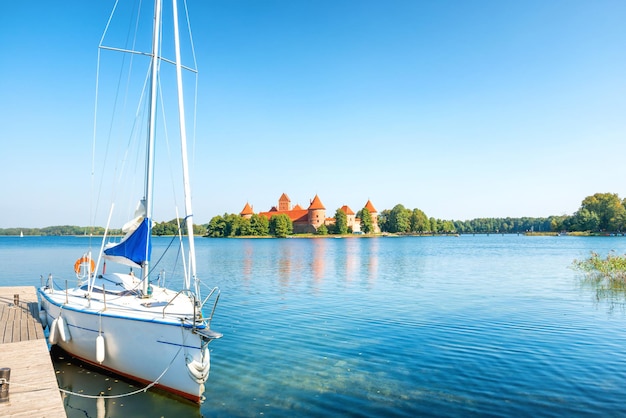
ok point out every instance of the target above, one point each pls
(412, 326)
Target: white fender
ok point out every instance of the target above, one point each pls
(100, 348)
(66, 328)
(200, 371)
(100, 408)
(64, 331)
(200, 376)
(52, 338)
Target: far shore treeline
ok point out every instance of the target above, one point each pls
(602, 213)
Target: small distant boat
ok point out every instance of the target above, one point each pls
(132, 324)
(21, 234)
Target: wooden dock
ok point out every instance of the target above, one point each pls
(33, 388)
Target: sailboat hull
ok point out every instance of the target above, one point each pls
(145, 349)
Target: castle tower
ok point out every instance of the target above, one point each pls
(317, 213)
(284, 203)
(247, 211)
(372, 210)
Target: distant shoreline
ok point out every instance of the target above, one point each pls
(347, 236)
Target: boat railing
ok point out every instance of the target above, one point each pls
(217, 298)
(186, 291)
(198, 318)
(49, 283)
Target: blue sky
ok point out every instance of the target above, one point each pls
(463, 109)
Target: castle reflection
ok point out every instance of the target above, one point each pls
(312, 260)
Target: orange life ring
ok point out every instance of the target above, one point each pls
(84, 260)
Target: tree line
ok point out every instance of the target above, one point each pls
(400, 220)
(602, 212)
(158, 228)
(55, 230)
(599, 213)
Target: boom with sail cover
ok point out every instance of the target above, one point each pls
(136, 246)
(134, 249)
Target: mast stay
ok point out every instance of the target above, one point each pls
(135, 248)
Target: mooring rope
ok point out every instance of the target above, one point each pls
(69, 392)
(82, 395)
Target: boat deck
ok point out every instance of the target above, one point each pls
(33, 388)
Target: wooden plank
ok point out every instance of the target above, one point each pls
(8, 330)
(8, 333)
(4, 313)
(39, 334)
(23, 327)
(30, 329)
(33, 389)
(11, 316)
(21, 312)
(17, 335)
(19, 322)
(3, 320)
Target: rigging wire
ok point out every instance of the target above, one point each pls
(121, 97)
(195, 67)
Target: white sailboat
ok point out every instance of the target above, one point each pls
(128, 322)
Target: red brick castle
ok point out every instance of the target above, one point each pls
(310, 219)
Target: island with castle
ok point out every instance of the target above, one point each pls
(310, 219)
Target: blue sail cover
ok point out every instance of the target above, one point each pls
(136, 247)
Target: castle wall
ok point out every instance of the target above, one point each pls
(316, 218)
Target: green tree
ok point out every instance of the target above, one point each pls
(259, 225)
(558, 223)
(609, 209)
(460, 227)
(158, 228)
(245, 227)
(281, 225)
(171, 228)
(232, 225)
(447, 226)
(341, 222)
(585, 220)
(419, 221)
(367, 224)
(399, 219)
(383, 220)
(199, 230)
(216, 227)
(322, 230)
(434, 225)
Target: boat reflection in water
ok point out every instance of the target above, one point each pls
(79, 377)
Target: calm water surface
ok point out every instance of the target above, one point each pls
(414, 326)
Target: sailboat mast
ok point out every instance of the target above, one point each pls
(183, 146)
(149, 177)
